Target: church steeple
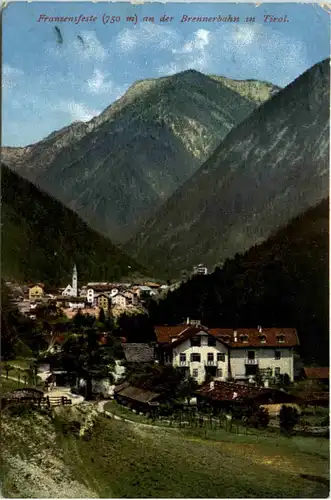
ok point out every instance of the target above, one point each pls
(75, 282)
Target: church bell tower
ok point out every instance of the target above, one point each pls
(74, 282)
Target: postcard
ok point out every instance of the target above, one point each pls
(165, 250)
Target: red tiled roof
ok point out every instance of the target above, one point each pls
(229, 391)
(317, 373)
(165, 333)
(255, 338)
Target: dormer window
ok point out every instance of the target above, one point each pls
(211, 341)
(226, 338)
(280, 338)
(263, 339)
(244, 338)
(195, 341)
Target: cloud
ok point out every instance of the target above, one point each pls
(199, 42)
(11, 76)
(76, 110)
(98, 83)
(194, 53)
(146, 36)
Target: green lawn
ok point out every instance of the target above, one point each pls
(130, 461)
(9, 385)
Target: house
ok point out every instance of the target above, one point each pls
(138, 353)
(225, 353)
(103, 302)
(131, 296)
(229, 395)
(200, 269)
(36, 291)
(144, 291)
(120, 300)
(92, 290)
(317, 374)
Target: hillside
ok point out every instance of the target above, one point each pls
(130, 460)
(283, 282)
(268, 169)
(117, 169)
(41, 239)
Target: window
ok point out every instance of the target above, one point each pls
(280, 338)
(211, 341)
(220, 356)
(219, 372)
(263, 339)
(277, 372)
(251, 354)
(182, 358)
(195, 342)
(195, 357)
(277, 354)
(195, 373)
(210, 356)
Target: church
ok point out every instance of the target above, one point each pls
(72, 290)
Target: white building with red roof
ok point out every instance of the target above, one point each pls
(226, 353)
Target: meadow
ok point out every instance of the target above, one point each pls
(131, 460)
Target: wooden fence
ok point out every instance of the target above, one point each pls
(45, 402)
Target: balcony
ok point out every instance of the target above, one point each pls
(183, 363)
(210, 363)
(251, 362)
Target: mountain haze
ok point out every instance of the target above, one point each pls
(41, 239)
(117, 169)
(268, 169)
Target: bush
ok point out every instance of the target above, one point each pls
(260, 418)
(288, 417)
(20, 409)
(22, 350)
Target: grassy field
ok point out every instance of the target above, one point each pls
(133, 461)
(9, 385)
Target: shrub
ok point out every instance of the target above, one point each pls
(288, 418)
(20, 409)
(260, 418)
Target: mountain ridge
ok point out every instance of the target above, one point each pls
(147, 144)
(291, 127)
(42, 239)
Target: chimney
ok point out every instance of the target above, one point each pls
(235, 335)
(212, 386)
(187, 320)
(259, 328)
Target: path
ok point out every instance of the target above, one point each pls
(100, 407)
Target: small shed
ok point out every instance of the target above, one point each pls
(136, 398)
(320, 374)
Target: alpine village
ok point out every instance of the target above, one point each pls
(170, 345)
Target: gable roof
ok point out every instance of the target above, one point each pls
(136, 394)
(138, 353)
(268, 337)
(317, 373)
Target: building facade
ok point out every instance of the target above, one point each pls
(36, 292)
(228, 354)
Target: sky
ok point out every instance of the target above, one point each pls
(55, 73)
